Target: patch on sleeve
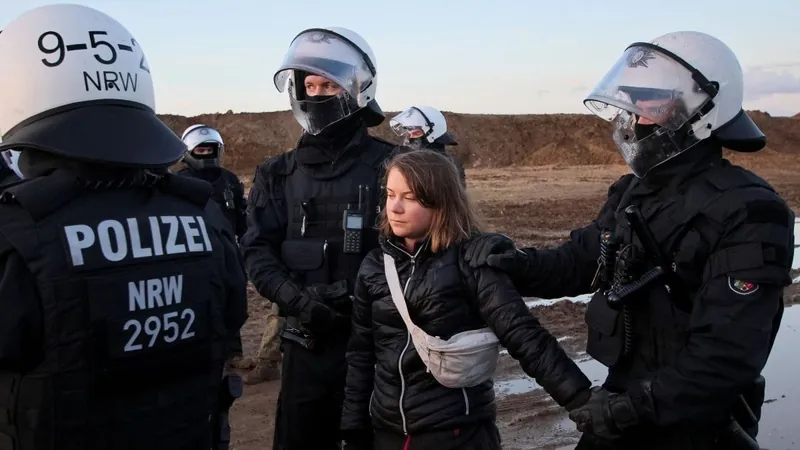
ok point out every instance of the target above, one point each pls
(742, 287)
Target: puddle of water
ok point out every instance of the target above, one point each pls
(778, 427)
(796, 260)
(593, 369)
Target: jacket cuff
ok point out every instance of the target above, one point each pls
(569, 391)
(286, 296)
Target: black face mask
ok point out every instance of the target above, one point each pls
(642, 131)
(416, 143)
(323, 110)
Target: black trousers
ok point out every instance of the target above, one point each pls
(484, 436)
(312, 391)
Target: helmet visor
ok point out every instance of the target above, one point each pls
(328, 55)
(410, 123)
(649, 84)
(202, 135)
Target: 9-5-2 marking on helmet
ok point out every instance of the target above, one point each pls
(95, 40)
(82, 88)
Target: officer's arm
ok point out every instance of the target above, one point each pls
(563, 271)
(360, 353)
(236, 303)
(261, 244)
(569, 269)
(734, 318)
(240, 203)
(232, 266)
(20, 313)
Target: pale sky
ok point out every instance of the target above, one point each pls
(468, 56)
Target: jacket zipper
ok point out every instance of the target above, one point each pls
(408, 339)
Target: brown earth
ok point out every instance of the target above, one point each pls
(537, 206)
(484, 140)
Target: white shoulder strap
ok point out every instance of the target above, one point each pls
(397, 292)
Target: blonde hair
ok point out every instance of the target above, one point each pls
(435, 181)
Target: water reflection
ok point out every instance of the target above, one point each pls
(778, 428)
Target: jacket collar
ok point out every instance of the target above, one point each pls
(393, 246)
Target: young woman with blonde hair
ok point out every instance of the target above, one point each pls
(392, 400)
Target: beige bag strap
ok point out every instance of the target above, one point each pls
(393, 279)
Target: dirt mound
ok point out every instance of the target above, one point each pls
(484, 140)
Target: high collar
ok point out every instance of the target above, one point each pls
(311, 150)
(675, 172)
(395, 248)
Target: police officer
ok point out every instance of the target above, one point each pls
(311, 213)
(693, 254)
(425, 127)
(119, 285)
(8, 171)
(203, 158)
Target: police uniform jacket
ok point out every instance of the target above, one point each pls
(116, 302)
(224, 183)
(388, 386)
(294, 236)
(700, 338)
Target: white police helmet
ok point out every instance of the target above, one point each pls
(340, 55)
(667, 95)
(197, 135)
(80, 87)
(425, 123)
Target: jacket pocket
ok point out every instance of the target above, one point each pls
(307, 259)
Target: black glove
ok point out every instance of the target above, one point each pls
(335, 296)
(605, 415)
(319, 318)
(498, 251)
(358, 440)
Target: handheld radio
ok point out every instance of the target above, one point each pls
(353, 225)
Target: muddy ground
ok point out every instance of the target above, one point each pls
(537, 206)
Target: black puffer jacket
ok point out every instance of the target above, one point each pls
(386, 378)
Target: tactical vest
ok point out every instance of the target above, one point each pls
(222, 193)
(313, 249)
(651, 329)
(129, 283)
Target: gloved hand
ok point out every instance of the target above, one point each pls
(498, 251)
(605, 415)
(358, 440)
(335, 296)
(321, 319)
